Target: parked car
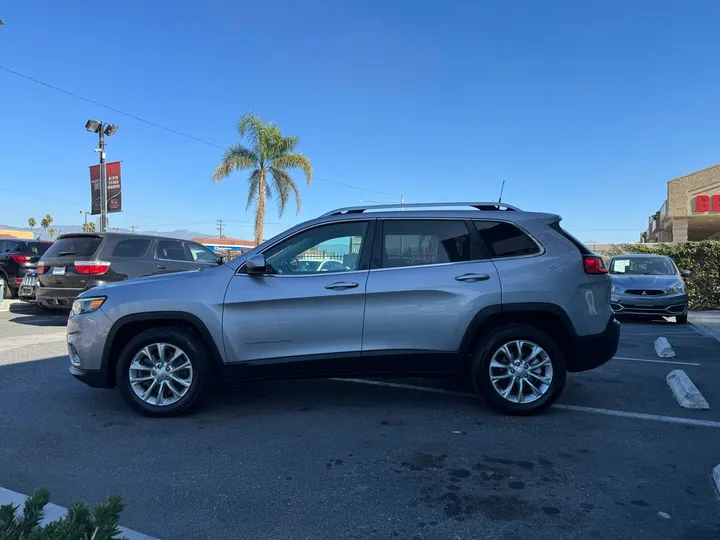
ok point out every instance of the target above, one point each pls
(83, 261)
(26, 291)
(17, 258)
(320, 265)
(504, 297)
(648, 286)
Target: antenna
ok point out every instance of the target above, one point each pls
(502, 188)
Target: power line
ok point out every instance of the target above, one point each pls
(160, 126)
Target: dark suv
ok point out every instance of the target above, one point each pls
(78, 262)
(17, 258)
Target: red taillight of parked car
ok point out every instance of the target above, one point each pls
(594, 265)
(42, 268)
(94, 268)
(22, 259)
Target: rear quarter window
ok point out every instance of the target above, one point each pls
(131, 249)
(74, 246)
(504, 239)
(34, 248)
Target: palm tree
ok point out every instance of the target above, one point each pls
(88, 227)
(51, 232)
(46, 221)
(269, 156)
(32, 223)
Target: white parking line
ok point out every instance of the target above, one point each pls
(656, 361)
(53, 512)
(577, 408)
(31, 339)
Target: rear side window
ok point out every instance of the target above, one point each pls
(419, 242)
(35, 248)
(504, 239)
(171, 250)
(10, 245)
(131, 249)
(74, 246)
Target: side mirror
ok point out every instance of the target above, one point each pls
(256, 265)
(686, 273)
(220, 260)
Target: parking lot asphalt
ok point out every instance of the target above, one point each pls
(338, 459)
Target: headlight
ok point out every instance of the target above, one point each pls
(677, 288)
(615, 288)
(87, 305)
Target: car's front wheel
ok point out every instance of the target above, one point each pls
(518, 369)
(163, 372)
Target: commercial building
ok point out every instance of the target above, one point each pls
(691, 210)
(222, 244)
(15, 233)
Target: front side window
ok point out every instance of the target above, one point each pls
(201, 253)
(171, 250)
(505, 239)
(420, 242)
(310, 251)
(643, 266)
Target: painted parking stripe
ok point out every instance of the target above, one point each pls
(53, 512)
(677, 362)
(31, 339)
(576, 408)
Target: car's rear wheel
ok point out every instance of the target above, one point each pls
(163, 372)
(5, 287)
(518, 369)
(681, 319)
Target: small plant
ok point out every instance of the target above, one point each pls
(80, 523)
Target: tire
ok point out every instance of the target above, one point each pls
(508, 334)
(6, 287)
(681, 319)
(194, 352)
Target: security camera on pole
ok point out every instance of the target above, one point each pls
(102, 129)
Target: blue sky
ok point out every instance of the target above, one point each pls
(583, 108)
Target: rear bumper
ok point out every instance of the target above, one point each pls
(56, 298)
(589, 352)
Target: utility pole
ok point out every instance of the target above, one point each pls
(220, 227)
(132, 229)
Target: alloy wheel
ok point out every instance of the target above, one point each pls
(161, 374)
(521, 371)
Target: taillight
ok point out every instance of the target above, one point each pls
(42, 268)
(22, 259)
(94, 268)
(594, 265)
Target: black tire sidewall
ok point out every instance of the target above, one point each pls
(481, 368)
(195, 352)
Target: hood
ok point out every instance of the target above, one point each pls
(644, 282)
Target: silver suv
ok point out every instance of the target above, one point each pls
(504, 297)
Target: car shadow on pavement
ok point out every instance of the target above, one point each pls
(30, 314)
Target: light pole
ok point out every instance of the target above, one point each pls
(102, 129)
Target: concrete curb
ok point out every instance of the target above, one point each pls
(53, 512)
(663, 348)
(685, 391)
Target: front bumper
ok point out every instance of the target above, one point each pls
(589, 352)
(86, 337)
(664, 305)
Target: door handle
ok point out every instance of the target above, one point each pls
(161, 267)
(472, 277)
(341, 285)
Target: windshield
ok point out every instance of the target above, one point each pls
(643, 266)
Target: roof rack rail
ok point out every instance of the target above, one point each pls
(483, 206)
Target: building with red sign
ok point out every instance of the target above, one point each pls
(691, 210)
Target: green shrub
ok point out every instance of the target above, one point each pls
(702, 258)
(80, 523)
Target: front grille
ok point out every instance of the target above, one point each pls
(645, 292)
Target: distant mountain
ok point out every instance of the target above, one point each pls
(184, 234)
